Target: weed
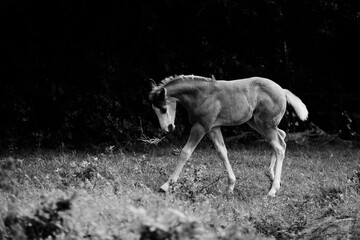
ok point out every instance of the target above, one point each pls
(332, 195)
(87, 173)
(175, 225)
(47, 221)
(244, 232)
(192, 185)
(5, 171)
(329, 228)
(354, 179)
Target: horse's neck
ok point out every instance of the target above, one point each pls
(189, 94)
(183, 90)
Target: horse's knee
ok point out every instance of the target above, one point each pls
(281, 133)
(280, 147)
(280, 153)
(284, 146)
(222, 152)
(232, 179)
(185, 154)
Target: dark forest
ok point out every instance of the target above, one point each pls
(76, 73)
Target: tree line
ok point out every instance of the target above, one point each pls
(76, 72)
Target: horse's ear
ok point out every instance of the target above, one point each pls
(152, 83)
(212, 77)
(162, 94)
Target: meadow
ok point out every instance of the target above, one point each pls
(112, 194)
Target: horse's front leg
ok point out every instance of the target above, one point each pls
(218, 140)
(196, 134)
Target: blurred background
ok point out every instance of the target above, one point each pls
(75, 73)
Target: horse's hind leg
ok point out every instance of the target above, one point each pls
(196, 134)
(218, 140)
(276, 138)
(282, 133)
(271, 173)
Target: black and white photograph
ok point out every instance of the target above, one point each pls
(180, 120)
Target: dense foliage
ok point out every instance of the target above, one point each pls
(75, 72)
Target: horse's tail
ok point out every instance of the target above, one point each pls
(297, 104)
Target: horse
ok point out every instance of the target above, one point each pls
(211, 104)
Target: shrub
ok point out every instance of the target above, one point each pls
(354, 179)
(174, 225)
(47, 221)
(5, 169)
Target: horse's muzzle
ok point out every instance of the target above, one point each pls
(171, 128)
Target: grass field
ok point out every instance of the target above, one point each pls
(113, 195)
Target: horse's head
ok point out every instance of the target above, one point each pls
(164, 107)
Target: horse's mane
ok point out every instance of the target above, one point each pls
(171, 79)
(184, 78)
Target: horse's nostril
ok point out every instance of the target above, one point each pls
(170, 127)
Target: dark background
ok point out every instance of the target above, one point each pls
(75, 73)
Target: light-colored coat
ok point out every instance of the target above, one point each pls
(259, 102)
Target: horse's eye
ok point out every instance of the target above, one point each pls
(163, 110)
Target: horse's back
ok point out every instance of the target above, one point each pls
(253, 82)
(255, 88)
(264, 97)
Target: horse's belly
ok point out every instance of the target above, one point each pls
(230, 117)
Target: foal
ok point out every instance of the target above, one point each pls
(210, 104)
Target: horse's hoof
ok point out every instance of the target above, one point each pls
(161, 190)
(164, 188)
(230, 192)
(271, 193)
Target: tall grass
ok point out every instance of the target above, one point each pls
(113, 195)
